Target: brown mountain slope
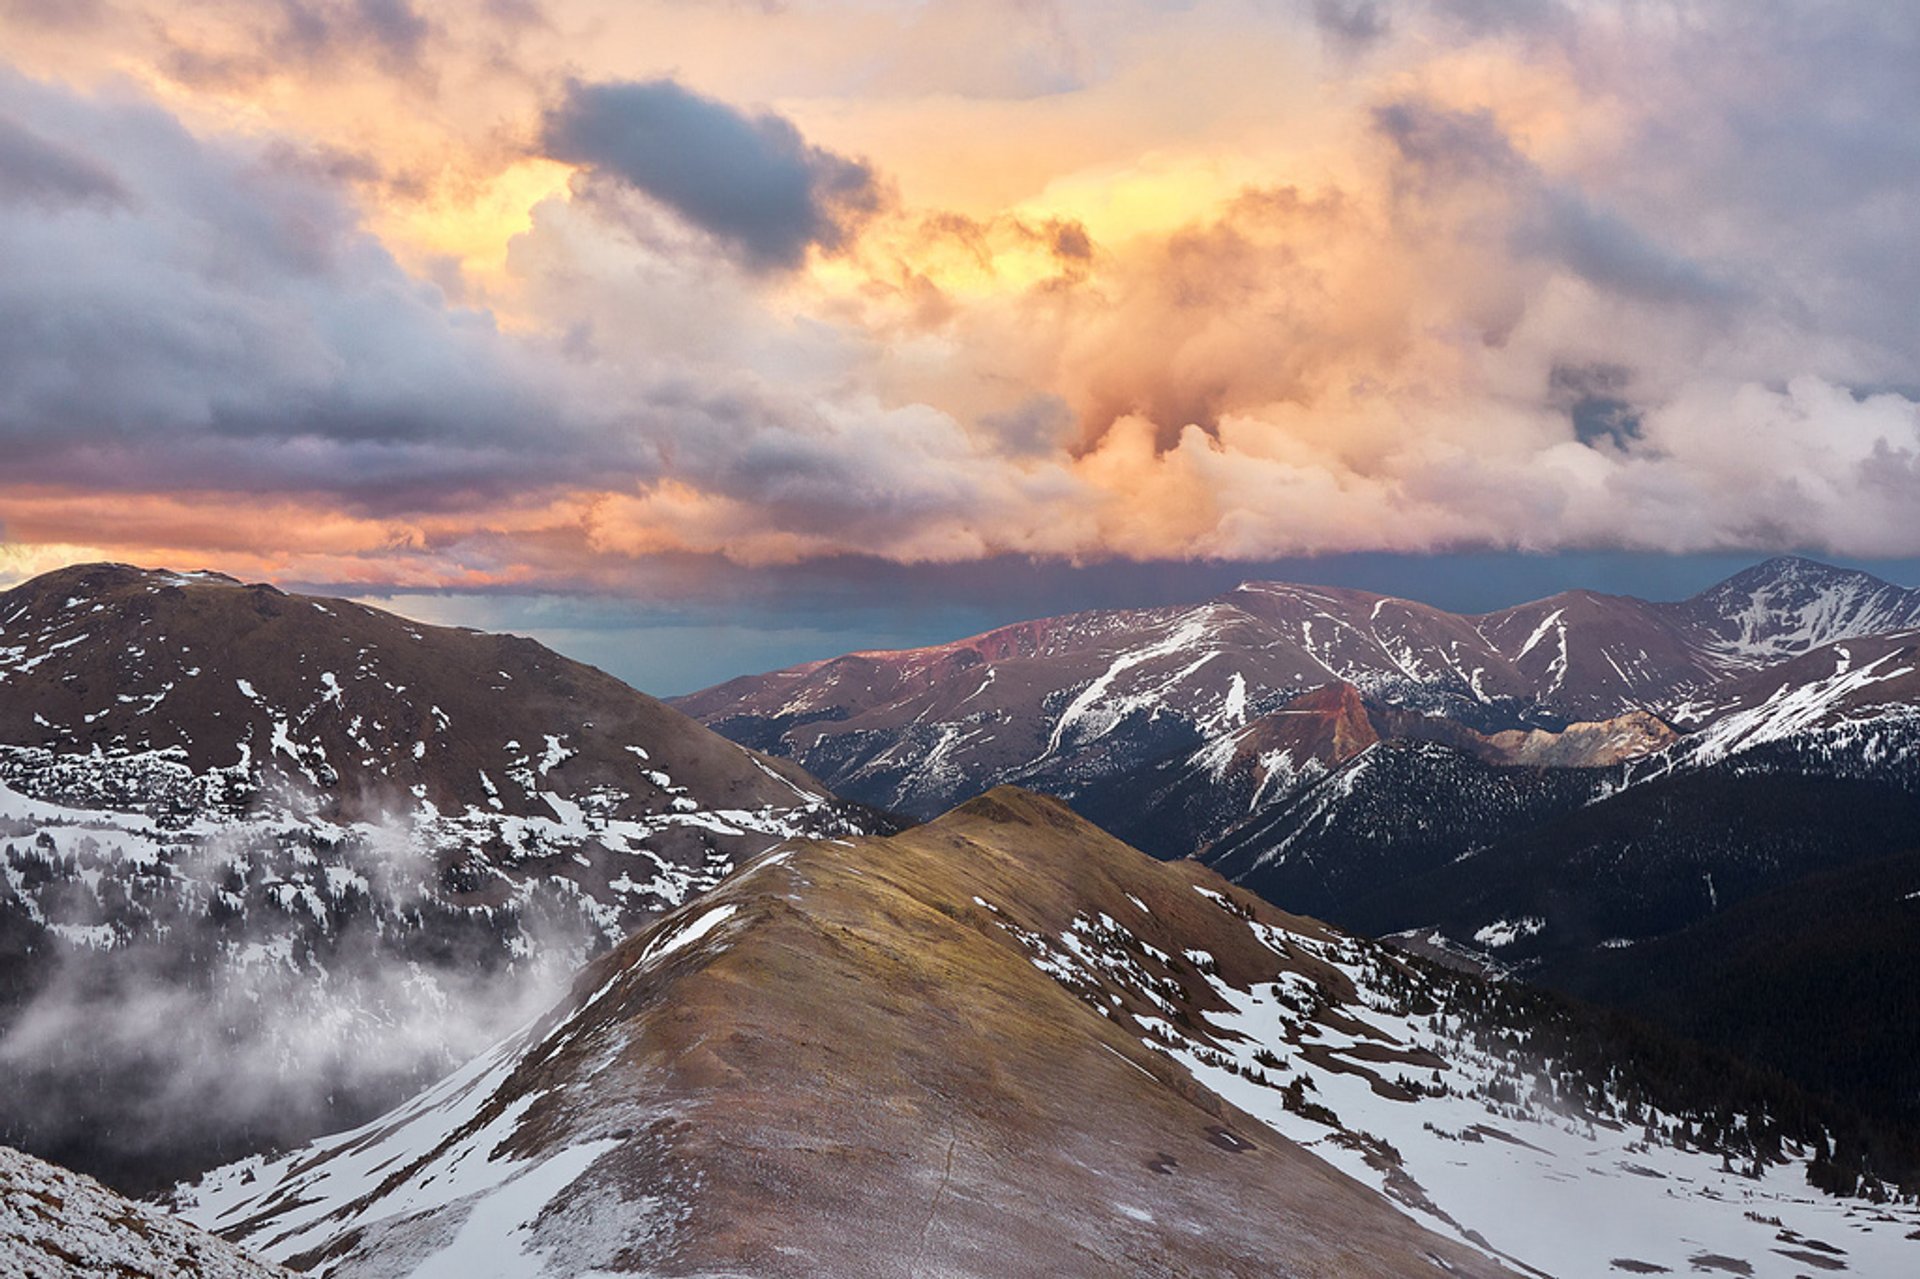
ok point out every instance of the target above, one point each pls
(360, 711)
(843, 1062)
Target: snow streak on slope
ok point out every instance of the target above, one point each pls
(1840, 709)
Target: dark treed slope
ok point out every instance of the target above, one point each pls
(1819, 980)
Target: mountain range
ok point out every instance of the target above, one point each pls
(1063, 702)
(271, 864)
(1543, 788)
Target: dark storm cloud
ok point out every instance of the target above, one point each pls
(749, 180)
(176, 313)
(1442, 152)
(1353, 24)
(35, 170)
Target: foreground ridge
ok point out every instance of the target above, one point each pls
(1006, 1044)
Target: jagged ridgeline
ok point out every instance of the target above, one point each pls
(1004, 1044)
(269, 862)
(1063, 703)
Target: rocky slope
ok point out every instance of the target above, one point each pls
(56, 1224)
(1004, 1044)
(327, 848)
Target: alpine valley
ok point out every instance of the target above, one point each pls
(1300, 932)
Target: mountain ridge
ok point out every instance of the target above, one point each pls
(1058, 702)
(1002, 1044)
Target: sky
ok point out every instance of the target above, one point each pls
(701, 336)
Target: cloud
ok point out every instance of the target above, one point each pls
(315, 30)
(197, 1048)
(750, 180)
(183, 314)
(1523, 275)
(1352, 24)
(54, 13)
(42, 172)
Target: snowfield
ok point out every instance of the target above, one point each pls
(1479, 1148)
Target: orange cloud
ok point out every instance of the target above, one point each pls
(1150, 281)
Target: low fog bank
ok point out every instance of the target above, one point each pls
(170, 1004)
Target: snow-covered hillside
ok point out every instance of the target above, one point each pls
(1480, 1130)
(56, 1224)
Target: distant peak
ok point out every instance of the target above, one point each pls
(109, 574)
(1792, 570)
(1794, 565)
(1801, 566)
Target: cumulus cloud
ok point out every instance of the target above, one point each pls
(181, 314)
(750, 180)
(1468, 273)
